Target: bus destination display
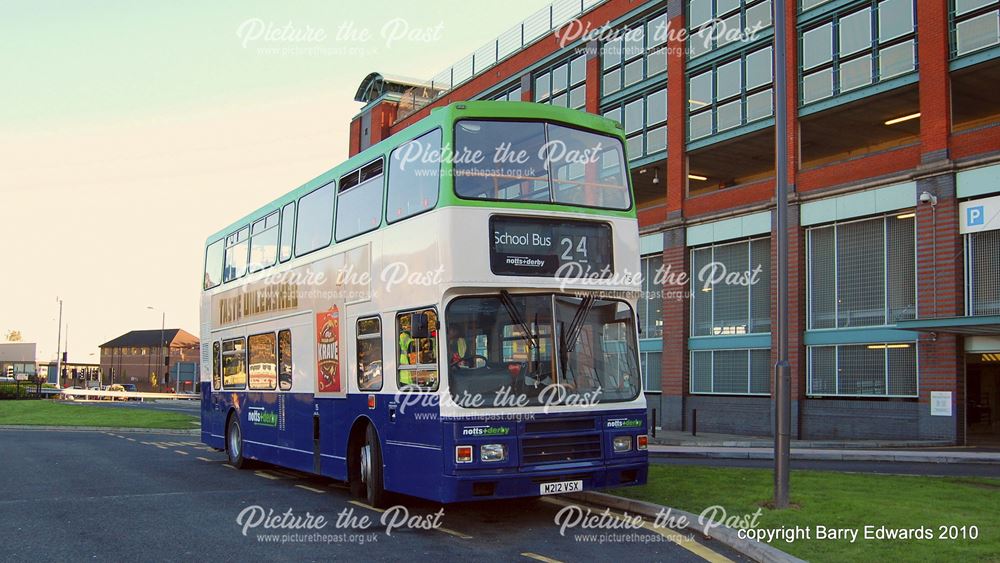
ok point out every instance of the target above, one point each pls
(523, 246)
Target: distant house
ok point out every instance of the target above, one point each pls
(17, 359)
(137, 358)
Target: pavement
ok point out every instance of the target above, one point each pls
(866, 467)
(725, 446)
(114, 495)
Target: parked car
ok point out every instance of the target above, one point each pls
(130, 387)
(118, 388)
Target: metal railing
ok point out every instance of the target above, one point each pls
(531, 29)
(126, 395)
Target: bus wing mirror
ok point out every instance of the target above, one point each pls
(418, 325)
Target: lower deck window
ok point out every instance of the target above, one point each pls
(234, 364)
(417, 339)
(263, 362)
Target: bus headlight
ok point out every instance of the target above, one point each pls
(463, 454)
(642, 442)
(622, 443)
(493, 452)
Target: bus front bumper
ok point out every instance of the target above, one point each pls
(483, 486)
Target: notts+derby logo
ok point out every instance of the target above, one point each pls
(624, 423)
(485, 431)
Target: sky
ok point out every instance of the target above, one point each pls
(131, 130)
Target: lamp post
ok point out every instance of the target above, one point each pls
(59, 348)
(166, 358)
(782, 369)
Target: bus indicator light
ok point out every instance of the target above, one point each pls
(641, 442)
(371, 402)
(463, 454)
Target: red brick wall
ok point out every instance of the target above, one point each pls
(932, 52)
(940, 276)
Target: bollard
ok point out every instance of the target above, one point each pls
(654, 423)
(694, 422)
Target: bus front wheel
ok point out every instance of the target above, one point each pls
(370, 459)
(234, 443)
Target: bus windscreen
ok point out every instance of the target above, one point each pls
(534, 161)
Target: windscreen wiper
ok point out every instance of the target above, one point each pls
(515, 315)
(576, 325)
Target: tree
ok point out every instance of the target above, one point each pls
(13, 336)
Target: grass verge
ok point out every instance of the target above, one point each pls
(844, 500)
(54, 413)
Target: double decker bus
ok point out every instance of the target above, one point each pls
(449, 314)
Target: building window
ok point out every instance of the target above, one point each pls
(264, 243)
(857, 48)
(652, 367)
(975, 26)
(416, 335)
(809, 4)
(234, 364)
(263, 362)
(645, 121)
(731, 372)
(651, 301)
(563, 85)
(730, 93)
(285, 359)
(369, 345)
(864, 370)
(413, 185)
(731, 288)
(237, 245)
(509, 95)
(635, 54)
(862, 273)
(717, 23)
(314, 226)
(982, 251)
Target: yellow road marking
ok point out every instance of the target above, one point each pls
(204, 458)
(266, 475)
(687, 543)
(441, 529)
(180, 452)
(308, 488)
(454, 533)
(538, 557)
(363, 505)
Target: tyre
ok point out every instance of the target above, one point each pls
(234, 443)
(370, 460)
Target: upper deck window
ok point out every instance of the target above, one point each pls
(359, 208)
(414, 177)
(237, 245)
(314, 227)
(213, 264)
(540, 162)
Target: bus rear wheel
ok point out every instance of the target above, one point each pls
(370, 471)
(234, 443)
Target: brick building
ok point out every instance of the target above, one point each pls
(894, 164)
(137, 357)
